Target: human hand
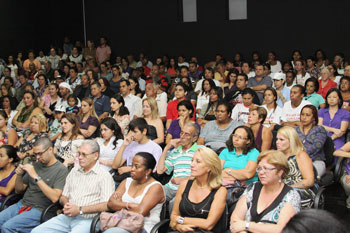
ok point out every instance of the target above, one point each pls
(337, 132)
(71, 210)
(117, 195)
(347, 179)
(174, 142)
(237, 226)
(122, 170)
(19, 170)
(128, 139)
(176, 180)
(185, 228)
(30, 170)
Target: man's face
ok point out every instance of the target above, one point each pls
(42, 154)
(347, 71)
(84, 80)
(184, 72)
(240, 82)
(95, 90)
(72, 73)
(64, 91)
(150, 91)
(295, 95)
(186, 136)
(278, 83)
(155, 71)
(193, 68)
(124, 89)
(102, 41)
(31, 55)
(137, 135)
(87, 158)
(22, 80)
(289, 78)
(259, 71)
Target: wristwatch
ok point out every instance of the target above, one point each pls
(180, 220)
(247, 224)
(80, 210)
(36, 180)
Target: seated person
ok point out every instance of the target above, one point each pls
(177, 158)
(87, 118)
(136, 141)
(263, 136)
(208, 111)
(238, 160)
(140, 193)
(215, 133)
(313, 137)
(42, 185)
(155, 124)
(85, 193)
(283, 93)
(301, 172)
(312, 86)
(7, 171)
(291, 109)
(200, 201)
(334, 118)
(267, 205)
(274, 112)
(344, 152)
(186, 111)
(241, 111)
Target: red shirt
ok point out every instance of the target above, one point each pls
(172, 113)
(323, 91)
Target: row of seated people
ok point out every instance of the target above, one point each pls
(291, 164)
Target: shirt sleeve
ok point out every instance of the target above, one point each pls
(253, 155)
(106, 105)
(107, 188)
(66, 189)
(172, 128)
(169, 162)
(61, 178)
(204, 131)
(93, 121)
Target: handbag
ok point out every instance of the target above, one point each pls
(128, 220)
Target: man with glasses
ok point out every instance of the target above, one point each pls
(87, 190)
(42, 184)
(178, 160)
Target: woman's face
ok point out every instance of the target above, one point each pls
(198, 167)
(115, 105)
(184, 112)
(10, 58)
(299, 66)
(41, 81)
(179, 92)
(103, 87)
(20, 55)
(306, 117)
(66, 125)
(89, 74)
(319, 55)
(345, 85)
(247, 99)
(56, 74)
(4, 159)
(172, 62)
(282, 143)
(90, 44)
(240, 138)
(132, 84)
(331, 69)
(206, 86)
(138, 168)
(287, 67)
(75, 50)
(106, 132)
(124, 62)
(66, 69)
(296, 55)
(8, 83)
(268, 173)
(253, 117)
(213, 97)
(4, 90)
(85, 107)
(310, 88)
(269, 97)
(6, 103)
(53, 90)
(34, 125)
(333, 99)
(147, 111)
(221, 113)
(28, 99)
(233, 78)
(3, 122)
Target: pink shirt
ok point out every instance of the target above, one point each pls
(102, 53)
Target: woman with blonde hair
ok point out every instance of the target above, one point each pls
(301, 171)
(200, 201)
(87, 118)
(267, 205)
(37, 129)
(155, 125)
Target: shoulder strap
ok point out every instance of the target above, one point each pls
(188, 186)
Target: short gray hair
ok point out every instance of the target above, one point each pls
(195, 126)
(45, 142)
(93, 145)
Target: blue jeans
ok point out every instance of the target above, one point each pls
(63, 223)
(11, 221)
(120, 230)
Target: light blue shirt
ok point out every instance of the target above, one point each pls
(286, 93)
(315, 99)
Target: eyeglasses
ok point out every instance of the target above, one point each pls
(83, 154)
(186, 134)
(239, 137)
(265, 169)
(40, 153)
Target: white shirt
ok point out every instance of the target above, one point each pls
(276, 68)
(134, 105)
(199, 84)
(290, 114)
(142, 84)
(13, 74)
(300, 79)
(240, 113)
(273, 116)
(201, 100)
(108, 152)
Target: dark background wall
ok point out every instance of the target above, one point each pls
(155, 27)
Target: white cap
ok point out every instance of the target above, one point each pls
(60, 108)
(66, 85)
(279, 76)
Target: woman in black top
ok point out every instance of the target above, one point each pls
(200, 202)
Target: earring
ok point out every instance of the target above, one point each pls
(146, 177)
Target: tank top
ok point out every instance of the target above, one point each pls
(4, 182)
(258, 139)
(201, 209)
(154, 216)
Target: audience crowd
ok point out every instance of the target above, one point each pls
(100, 134)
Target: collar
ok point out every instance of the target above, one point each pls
(94, 169)
(193, 148)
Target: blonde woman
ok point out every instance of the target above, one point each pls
(301, 171)
(37, 129)
(155, 124)
(200, 201)
(87, 118)
(267, 205)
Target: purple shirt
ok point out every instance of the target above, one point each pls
(175, 129)
(339, 116)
